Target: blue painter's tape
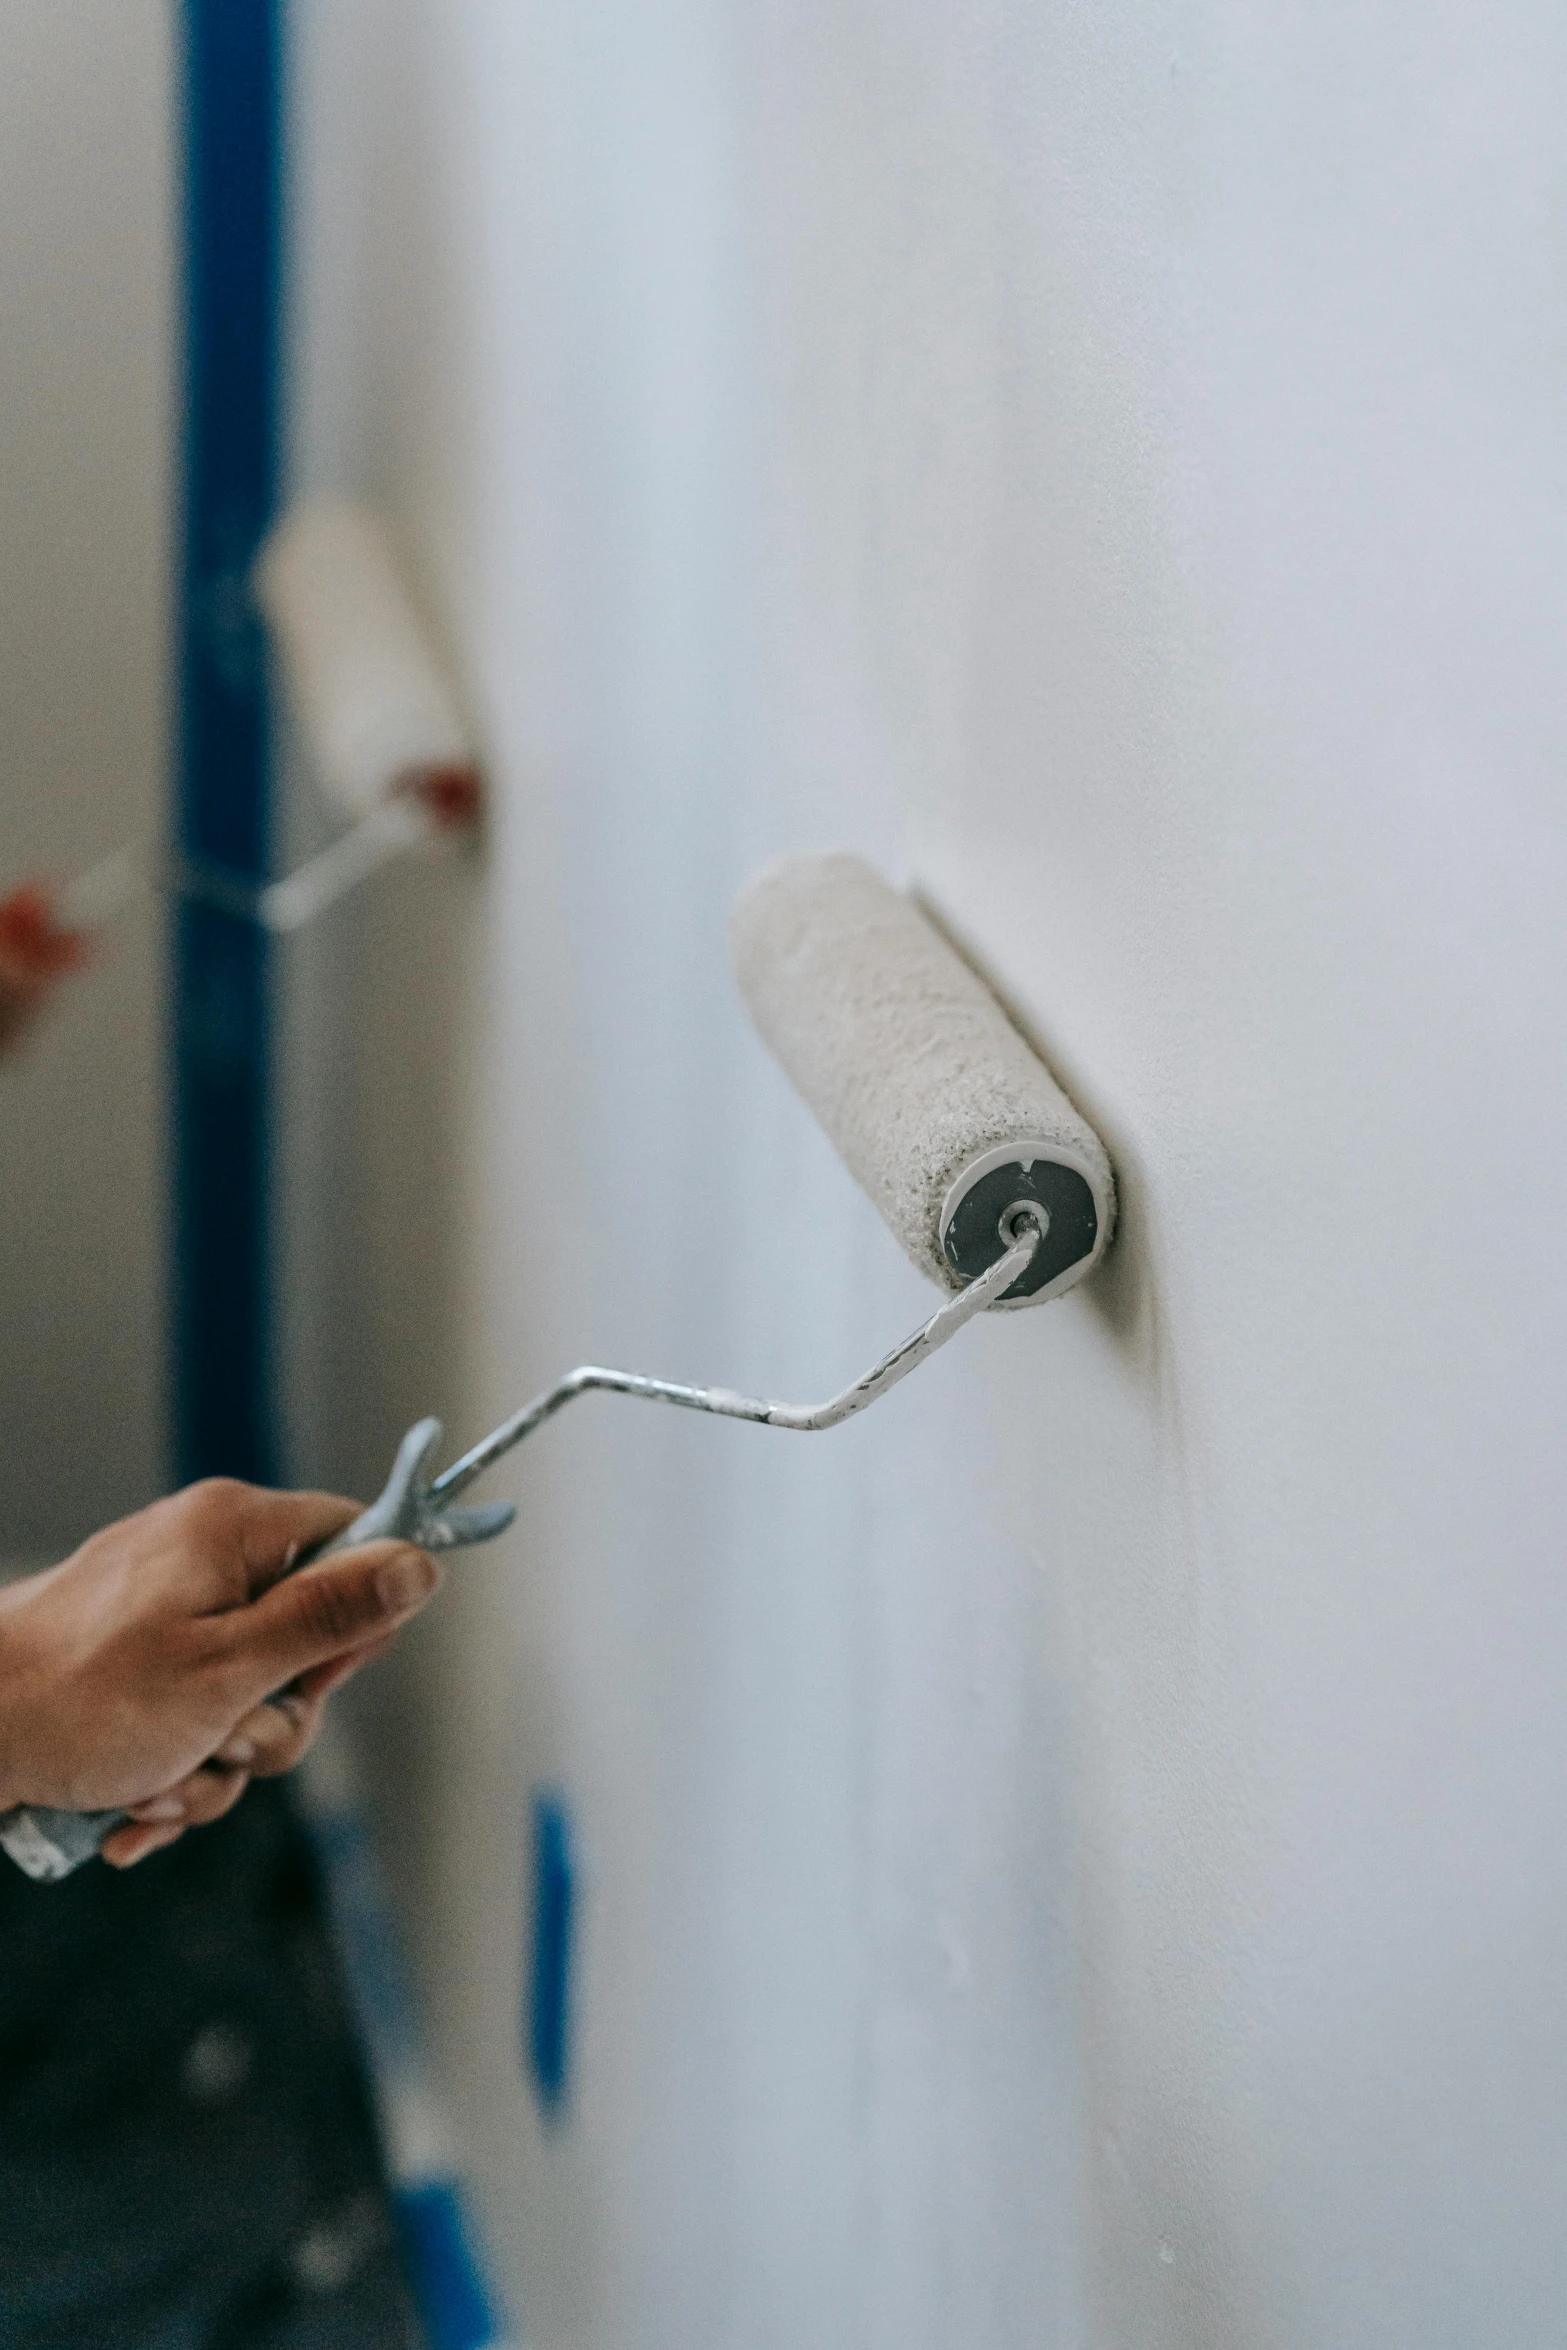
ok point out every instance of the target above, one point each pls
(442, 2269)
(443, 2249)
(549, 2024)
(232, 59)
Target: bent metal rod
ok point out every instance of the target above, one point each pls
(49, 1844)
(1022, 1228)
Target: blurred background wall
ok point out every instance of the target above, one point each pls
(86, 364)
(1073, 1858)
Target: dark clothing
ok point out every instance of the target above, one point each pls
(188, 2157)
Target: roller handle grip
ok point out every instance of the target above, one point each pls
(50, 1844)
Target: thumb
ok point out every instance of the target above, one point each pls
(326, 1609)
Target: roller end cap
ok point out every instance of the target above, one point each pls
(996, 1194)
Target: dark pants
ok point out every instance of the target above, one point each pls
(188, 2159)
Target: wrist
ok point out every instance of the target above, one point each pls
(17, 1745)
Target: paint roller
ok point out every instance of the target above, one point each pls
(374, 713)
(995, 1186)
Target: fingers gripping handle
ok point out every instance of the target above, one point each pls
(49, 1844)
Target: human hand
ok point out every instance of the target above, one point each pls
(136, 1675)
(36, 952)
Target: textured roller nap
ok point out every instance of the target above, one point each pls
(907, 1060)
(371, 703)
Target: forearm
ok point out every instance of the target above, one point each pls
(18, 1694)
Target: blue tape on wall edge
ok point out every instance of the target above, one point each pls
(442, 2242)
(442, 2268)
(554, 1895)
(232, 99)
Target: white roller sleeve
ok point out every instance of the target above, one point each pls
(370, 701)
(910, 1065)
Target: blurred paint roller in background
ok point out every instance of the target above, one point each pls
(373, 708)
(376, 718)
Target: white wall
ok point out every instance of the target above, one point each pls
(1075, 1857)
(85, 369)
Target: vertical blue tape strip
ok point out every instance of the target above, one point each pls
(554, 1893)
(223, 1415)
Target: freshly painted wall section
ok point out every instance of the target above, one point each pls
(1073, 1858)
